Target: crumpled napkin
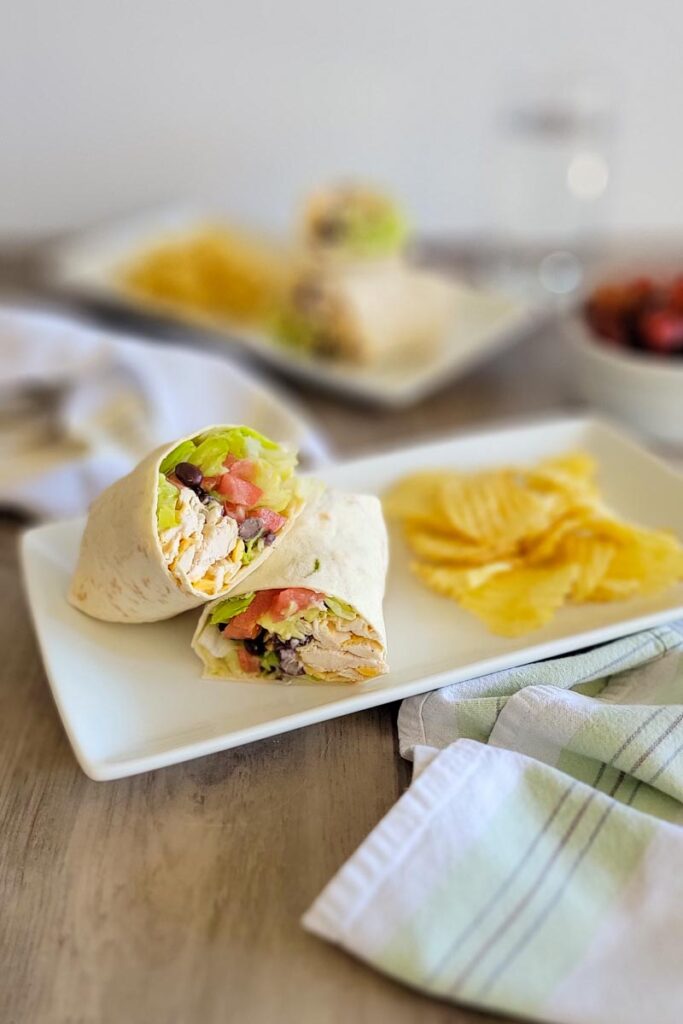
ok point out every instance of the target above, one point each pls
(534, 865)
(79, 407)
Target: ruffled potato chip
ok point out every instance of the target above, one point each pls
(440, 547)
(592, 557)
(512, 546)
(576, 469)
(417, 498)
(516, 602)
(454, 582)
(495, 508)
(650, 559)
(545, 545)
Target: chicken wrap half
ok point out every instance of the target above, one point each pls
(366, 312)
(185, 526)
(314, 611)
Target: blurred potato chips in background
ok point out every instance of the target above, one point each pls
(215, 272)
(513, 545)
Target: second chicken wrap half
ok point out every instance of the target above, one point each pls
(314, 610)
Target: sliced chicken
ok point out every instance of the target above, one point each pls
(338, 649)
(202, 544)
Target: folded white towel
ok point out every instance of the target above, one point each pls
(534, 865)
(503, 883)
(80, 407)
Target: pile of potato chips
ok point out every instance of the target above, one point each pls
(214, 271)
(513, 545)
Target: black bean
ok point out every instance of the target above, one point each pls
(250, 528)
(189, 474)
(256, 645)
(268, 538)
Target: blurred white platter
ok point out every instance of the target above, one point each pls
(131, 697)
(87, 267)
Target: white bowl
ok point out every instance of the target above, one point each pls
(641, 389)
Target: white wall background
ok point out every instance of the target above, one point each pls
(112, 104)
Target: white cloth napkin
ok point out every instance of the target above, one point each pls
(79, 407)
(534, 865)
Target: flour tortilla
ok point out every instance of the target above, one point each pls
(339, 547)
(385, 308)
(394, 309)
(121, 575)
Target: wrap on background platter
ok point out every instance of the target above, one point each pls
(367, 312)
(314, 611)
(354, 221)
(186, 525)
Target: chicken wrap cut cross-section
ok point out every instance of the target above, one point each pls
(314, 611)
(186, 525)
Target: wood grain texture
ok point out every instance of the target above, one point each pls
(175, 897)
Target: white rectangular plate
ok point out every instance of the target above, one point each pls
(486, 321)
(131, 697)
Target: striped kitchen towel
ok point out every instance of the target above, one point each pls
(611, 717)
(534, 865)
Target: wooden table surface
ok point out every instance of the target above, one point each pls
(175, 897)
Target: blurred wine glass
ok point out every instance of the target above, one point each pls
(553, 170)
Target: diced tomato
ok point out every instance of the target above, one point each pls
(173, 479)
(236, 512)
(244, 626)
(292, 600)
(238, 491)
(209, 483)
(271, 520)
(248, 662)
(240, 467)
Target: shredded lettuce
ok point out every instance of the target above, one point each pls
(291, 628)
(380, 233)
(242, 442)
(340, 608)
(230, 607)
(273, 473)
(252, 548)
(275, 480)
(167, 511)
(265, 442)
(209, 451)
(294, 329)
(182, 453)
(269, 660)
(212, 451)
